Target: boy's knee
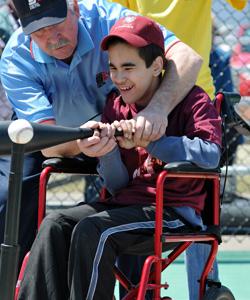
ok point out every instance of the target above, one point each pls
(53, 222)
(86, 226)
(53, 217)
(87, 233)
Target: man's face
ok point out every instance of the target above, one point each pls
(128, 71)
(59, 40)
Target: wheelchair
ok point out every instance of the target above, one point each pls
(155, 263)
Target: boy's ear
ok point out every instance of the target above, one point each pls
(157, 66)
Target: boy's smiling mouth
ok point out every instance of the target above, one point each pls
(125, 89)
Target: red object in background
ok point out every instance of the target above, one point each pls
(240, 60)
(244, 84)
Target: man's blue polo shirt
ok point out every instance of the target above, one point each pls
(41, 87)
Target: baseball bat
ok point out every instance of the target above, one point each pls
(44, 136)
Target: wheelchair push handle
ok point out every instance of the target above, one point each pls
(44, 136)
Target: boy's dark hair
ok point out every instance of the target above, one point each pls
(147, 53)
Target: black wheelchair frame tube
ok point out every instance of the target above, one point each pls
(10, 248)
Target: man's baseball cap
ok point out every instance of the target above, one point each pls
(36, 14)
(137, 31)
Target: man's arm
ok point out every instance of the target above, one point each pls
(63, 150)
(181, 73)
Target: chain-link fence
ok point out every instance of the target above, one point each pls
(232, 39)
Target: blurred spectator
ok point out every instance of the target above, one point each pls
(220, 64)
(222, 78)
(8, 18)
(7, 25)
(220, 69)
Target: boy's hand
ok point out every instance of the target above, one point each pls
(107, 130)
(97, 145)
(128, 127)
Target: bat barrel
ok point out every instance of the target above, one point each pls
(44, 136)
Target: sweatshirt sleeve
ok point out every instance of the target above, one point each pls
(170, 148)
(112, 171)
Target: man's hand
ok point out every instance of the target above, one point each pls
(151, 124)
(97, 145)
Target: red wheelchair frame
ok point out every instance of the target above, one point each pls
(155, 263)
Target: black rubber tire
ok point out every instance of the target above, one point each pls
(218, 293)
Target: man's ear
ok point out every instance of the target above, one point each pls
(157, 66)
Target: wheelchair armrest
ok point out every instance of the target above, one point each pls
(73, 165)
(188, 167)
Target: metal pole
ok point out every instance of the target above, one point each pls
(10, 248)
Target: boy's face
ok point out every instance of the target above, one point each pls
(128, 71)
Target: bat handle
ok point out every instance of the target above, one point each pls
(88, 132)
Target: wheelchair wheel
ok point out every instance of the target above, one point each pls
(218, 293)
